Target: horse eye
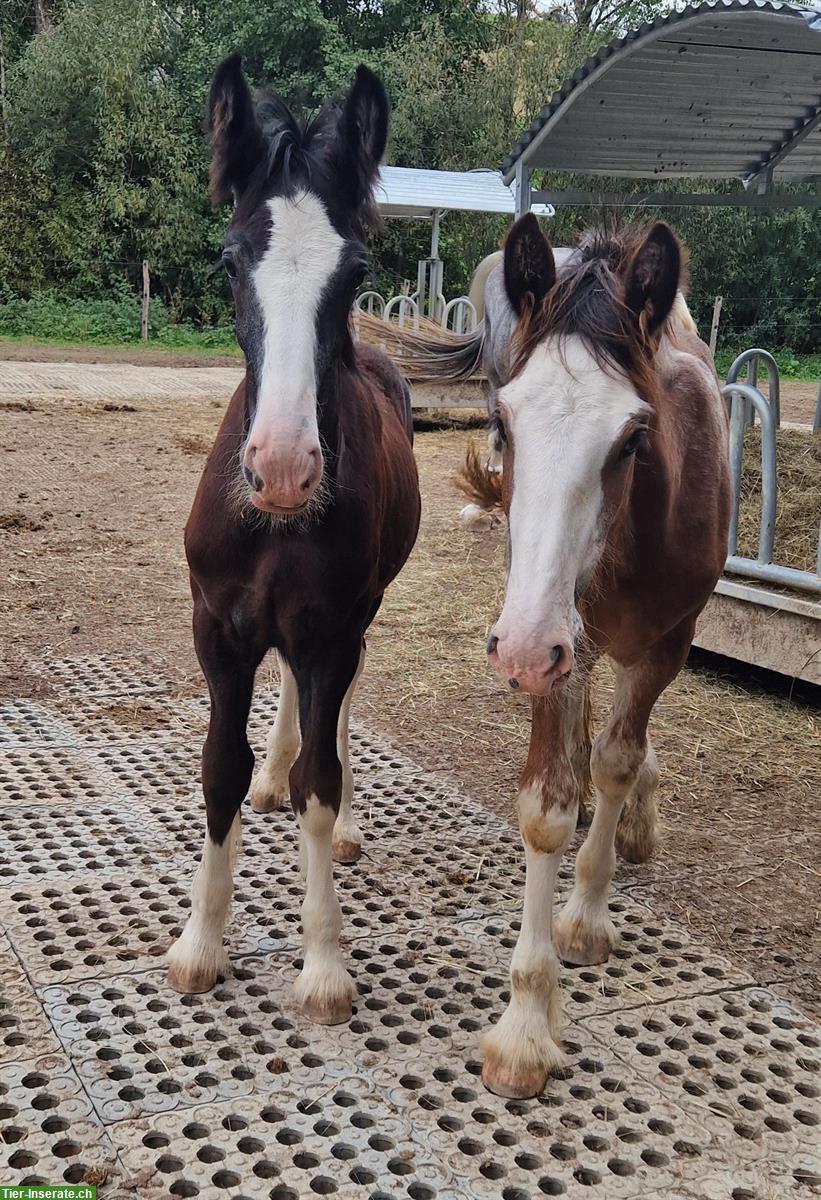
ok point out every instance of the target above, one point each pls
(229, 266)
(634, 442)
(497, 426)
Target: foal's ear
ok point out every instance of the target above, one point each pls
(236, 138)
(653, 277)
(363, 132)
(530, 268)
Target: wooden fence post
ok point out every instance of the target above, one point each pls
(146, 298)
(714, 324)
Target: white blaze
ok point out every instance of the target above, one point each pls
(564, 413)
(303, 252)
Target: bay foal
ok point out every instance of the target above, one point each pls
(615, 483)
(307, 508)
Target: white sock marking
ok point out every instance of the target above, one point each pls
(324, 980)
(270, 787)
(346, 828)
(526, 1036)
(199, 950)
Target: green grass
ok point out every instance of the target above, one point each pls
(790, 366)
(211, 343)
(153, 346)
(207, 341)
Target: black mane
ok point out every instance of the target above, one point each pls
(297, 147)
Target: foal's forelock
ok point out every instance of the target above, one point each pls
(587, 302)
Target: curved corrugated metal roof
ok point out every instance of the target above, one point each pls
(414, 192)
(719, 90)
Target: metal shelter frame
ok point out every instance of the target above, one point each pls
(724, 90)
(418, 194)
(415, 193)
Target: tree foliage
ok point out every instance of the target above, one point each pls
(103, 159)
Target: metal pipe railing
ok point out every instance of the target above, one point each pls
(750, 359)
(740, 397)
(803, 581)
(464, 320)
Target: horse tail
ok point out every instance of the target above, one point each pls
(483, 488)
(431, 353)
(476, 295)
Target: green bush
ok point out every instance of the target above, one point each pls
(187, 337)
(52, 316)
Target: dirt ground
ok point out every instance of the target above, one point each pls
(798, 400)
(91, 517)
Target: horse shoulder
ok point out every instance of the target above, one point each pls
(388, 383)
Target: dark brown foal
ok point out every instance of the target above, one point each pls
(307, 509)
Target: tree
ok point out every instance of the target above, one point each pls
(103, 158)
(43, 17)
(609, 17)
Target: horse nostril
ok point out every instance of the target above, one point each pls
(254, 481)
(306, 483)
(492, 643)
(561, 660)
(514, 683)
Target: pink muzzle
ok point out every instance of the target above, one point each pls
(283, 472)
(527, 663)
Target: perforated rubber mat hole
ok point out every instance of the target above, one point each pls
(37, 775)
(25, 1031)
(48, 1130)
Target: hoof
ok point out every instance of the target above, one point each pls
(579, 946)
(191, 980)
(267, 796)
(521, 1084)
(635, 849)
(521, 1051)
(346, 852)
(475, 517)
(325, 994)
(335, 1010)
(193, 965)
(584, 956)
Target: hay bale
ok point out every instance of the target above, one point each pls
(798, 512)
